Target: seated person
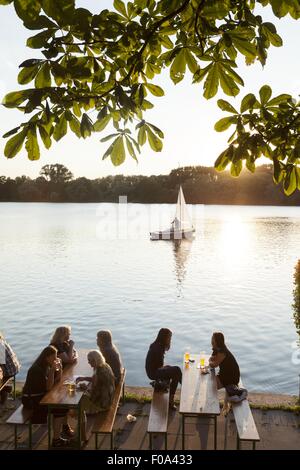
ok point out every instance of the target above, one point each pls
(175, 224)
(155, 367)
(99, 391)
(64, 345)
(229, 373)
(110, 353)
(41, 378)
(9, 365)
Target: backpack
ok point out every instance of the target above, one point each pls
(160, 385)
(235, 394)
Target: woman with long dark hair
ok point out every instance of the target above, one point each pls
(221, 357)
(110, 353)
(155, 367)
(41, 377)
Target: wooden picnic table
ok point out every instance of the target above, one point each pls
(60, 397)
(199, 394)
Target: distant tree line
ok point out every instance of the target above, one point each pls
(201, 185)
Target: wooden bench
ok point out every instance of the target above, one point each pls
(104, 421)
(245, 425)
(22, 416)
(159, 414)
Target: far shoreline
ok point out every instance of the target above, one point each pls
(58, 203)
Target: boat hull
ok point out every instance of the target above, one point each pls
(172, 234)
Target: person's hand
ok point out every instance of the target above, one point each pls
(83, 386)
(57, 365)
(71, 343)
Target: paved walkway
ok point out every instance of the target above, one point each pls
(277, 429)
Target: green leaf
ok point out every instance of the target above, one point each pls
(130, 149)
(269, 31)
(61, 128)
(14, 145)
(45, 137)
(86, 126)
(31, 145)
(15, 98)
(118, 151)
(60, 11)
(154, 141)
(27, 74)
(298, 177)
(76, 109)
(265, 94)
(245, 47)
(108, 137)
(222, 161)
(156, 130)
(232, 73)
(43, 78)
(40, 40)
(120, 7)
(228, 85)
(211, 83)
(201, 73)
(290, 181)
(41, 22)
(166, 42)
(224, 123)
(102, 123)
(178, 67)
(248, 102)
(250, 165)
(280, 7)
(236, 168)
(75, 126)
(11, 132)
(277, 171)
(28, 11)
(284, 98)
(191, 61)
(154, 89)
(31, 62)
(225, 106)
(142, 135)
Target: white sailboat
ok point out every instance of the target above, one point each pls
(181, 226)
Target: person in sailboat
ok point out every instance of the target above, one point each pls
(175, 225)
(155, 368)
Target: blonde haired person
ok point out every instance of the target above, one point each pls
(64, 345)
(100, 390)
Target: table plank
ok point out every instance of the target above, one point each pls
(59, 394)
(199, 394)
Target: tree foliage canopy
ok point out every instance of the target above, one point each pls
(107, 63)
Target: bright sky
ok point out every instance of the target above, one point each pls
(186, 118)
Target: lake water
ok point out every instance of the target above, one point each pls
(93, 266)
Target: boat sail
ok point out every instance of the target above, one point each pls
(181, 226)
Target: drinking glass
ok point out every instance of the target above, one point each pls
(202, 359)
(187, 356)
(71, 387)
